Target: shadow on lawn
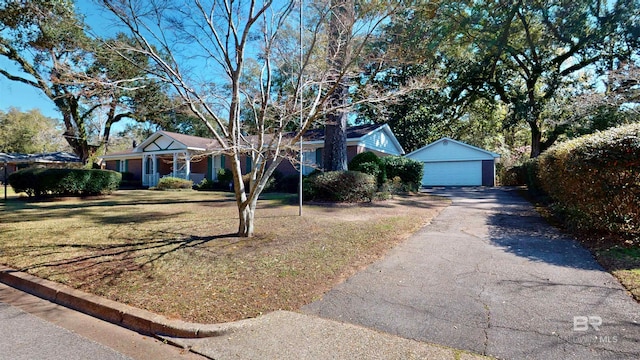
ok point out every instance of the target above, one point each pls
(58, 204)
(103, 262)
(104, 216)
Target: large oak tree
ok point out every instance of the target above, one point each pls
(52, 51)
(522, 53)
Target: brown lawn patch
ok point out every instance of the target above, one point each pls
(174, 253)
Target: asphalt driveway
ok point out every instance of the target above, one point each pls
(489, 275)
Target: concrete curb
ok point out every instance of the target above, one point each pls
(139, 320)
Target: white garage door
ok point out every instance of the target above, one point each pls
(452, 173)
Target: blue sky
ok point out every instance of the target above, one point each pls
(24, 97)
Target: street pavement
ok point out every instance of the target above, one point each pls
(489, 275)
(24, 336)
(32, 328)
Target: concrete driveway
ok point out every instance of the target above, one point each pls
(489, 275)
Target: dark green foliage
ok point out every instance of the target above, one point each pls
(525, 174)
(369, 163)
(129, 181)
(408, 170)
(283, 183)
(225, 176)
(288, 184)
(173, 183)
(595, 180)
(340, 186)
(40, 182)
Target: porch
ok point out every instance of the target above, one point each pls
(178, 164)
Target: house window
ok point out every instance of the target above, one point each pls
(216, 162)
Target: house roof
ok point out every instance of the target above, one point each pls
(189, 141)
(359, 134)
(45, 158)
(354, 134)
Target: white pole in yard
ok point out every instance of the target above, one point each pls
(301, 113)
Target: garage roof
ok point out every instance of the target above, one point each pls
(447, 149)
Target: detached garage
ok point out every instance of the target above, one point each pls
(448, 162)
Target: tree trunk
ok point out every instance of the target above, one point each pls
(246, 207)
(536, 140)
(335, 140)
(246, 215)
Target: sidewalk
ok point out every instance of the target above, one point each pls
(277, 335)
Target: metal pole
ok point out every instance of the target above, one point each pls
(5, 179)
(301, 115)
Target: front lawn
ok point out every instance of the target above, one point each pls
(175, 253)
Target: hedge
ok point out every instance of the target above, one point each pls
(40, 182)
(173, 183)
(595, 180)
(408, 170)
(369, 163)
(341, 186)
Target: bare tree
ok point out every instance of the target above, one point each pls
(233, 64)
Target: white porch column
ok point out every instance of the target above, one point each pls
(145, 182)
(154, 165)
(187, 165)
(214, 170)
(174, 168)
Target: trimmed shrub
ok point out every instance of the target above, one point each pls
(224, 176)
(283, 183)
(340, 186)
(40, 182)
(595, 180)
(173, 183)
(408, 170)
(369, 163)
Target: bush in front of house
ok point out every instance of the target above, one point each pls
(409, 171)
(173, 183)
(41, 182)
(340, 186)
(223, 178)
(278, 182)
(595, 180)
(129, 181)
(369, 163)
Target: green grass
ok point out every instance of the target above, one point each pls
(175, 253)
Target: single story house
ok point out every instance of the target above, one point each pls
(10, 163)
(448, 162)
(167, 153)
